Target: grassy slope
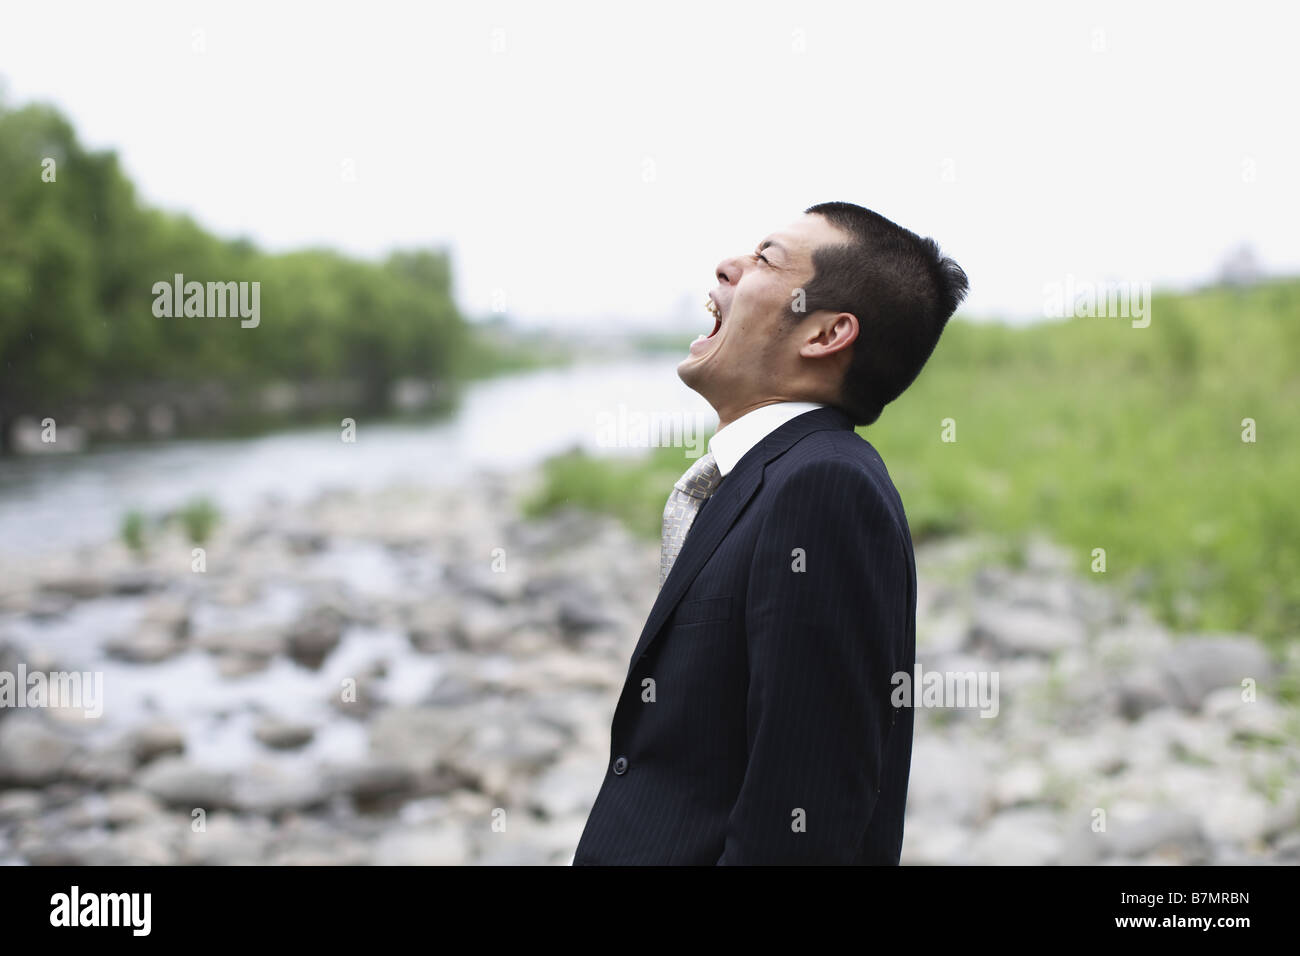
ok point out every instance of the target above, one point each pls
(1102, 435)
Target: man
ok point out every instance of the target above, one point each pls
(755, 724)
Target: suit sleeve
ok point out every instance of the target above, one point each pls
(825, 623)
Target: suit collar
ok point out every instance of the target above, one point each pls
(781, 438)
(731, 443)
(713, 522)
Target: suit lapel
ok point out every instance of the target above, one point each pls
(714, 521)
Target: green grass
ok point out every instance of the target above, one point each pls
(1103, 436)
(632, 491)
(198, 518)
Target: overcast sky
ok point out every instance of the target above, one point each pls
(592, 163)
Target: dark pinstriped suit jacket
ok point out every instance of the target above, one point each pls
(755, 723)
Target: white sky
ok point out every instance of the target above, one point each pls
(998, 129)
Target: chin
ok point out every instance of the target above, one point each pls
(688, 371)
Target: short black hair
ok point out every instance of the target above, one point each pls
(902, 289)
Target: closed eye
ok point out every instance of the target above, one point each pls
(759, 255)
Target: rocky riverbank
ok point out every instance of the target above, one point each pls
(421, 677)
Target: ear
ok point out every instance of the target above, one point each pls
(833, 333)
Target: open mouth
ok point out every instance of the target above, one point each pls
(717, 318)
(698, 347)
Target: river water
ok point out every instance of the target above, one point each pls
(53, 503)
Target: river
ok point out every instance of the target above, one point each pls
(53, 503)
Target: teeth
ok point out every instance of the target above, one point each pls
(713, 309)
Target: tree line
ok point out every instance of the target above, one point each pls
(80, 257)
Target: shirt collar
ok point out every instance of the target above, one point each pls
(729, 444)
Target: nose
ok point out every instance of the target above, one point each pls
(729, 271)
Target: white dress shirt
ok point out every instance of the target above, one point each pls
(729, 444)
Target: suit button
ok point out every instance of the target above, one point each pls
(620, 765)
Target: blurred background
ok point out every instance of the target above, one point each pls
(360, 574)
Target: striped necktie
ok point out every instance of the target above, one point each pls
(689, 494)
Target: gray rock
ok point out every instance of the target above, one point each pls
(20, 805)
(315, 635)
(152, 842)
(1287, 849)
(481, 627)
(581, 610)
(1028, 836)
(45, 606)
(169, 615)
(429, 845)
(40, 849)
(129, 806)
(267, 789)
(1259, 720)
(1012, 631)
(226, 840)
(567, 787)
(235, 666)
(1195, 666)
(82, 587)
(1170, 834)
(110, 765)
(1142, 690)
(479, 581)
(31, 754)
(283, 734)
(178, 783)
(137, 581)
(263, 643)
(1019, 783)
(156, 739)
(146, 644)
(947, 779)
(1282, 816)
(933, 840)
(434, 627)
(371, 780)
(513, 854)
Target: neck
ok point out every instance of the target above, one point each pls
(729, 415)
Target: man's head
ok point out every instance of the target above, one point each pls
(842, 307)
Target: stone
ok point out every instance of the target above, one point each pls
(1013, 631)
(144, 645)
(266, 789)
(31, 754)
(1026, 836)
(128, 806)
(82, 587)
(156, 739)
(264, 643)
(20, 805)
(371, 780)
(283, 734)
(567, 787)
(429, 845)
(1195, 666)
(178, 783)
(314, 636)
(1259, 720)
(1167, 833)
(169, 615)
(947, 779)
(1022, 782)
(1141, 691)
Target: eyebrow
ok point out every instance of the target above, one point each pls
(768, 242)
